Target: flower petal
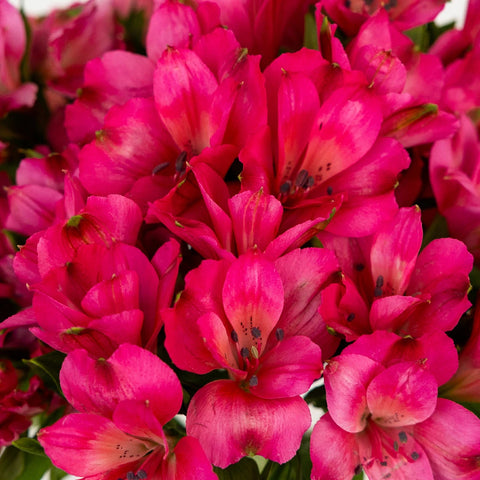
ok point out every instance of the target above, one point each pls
(346, 381)
(253, 299)
(221, 413)
(87, 444)
(333, 451)
(403, 394)
(289, 369)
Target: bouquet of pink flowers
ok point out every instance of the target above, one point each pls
(219, 215)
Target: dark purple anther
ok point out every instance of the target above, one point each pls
(234, 336)
(301, 178)
(256, 333)
(160, 167)
(329, 190)
(285, 187)
(280, 334)
(180, 162)
(142, 474)
(244, 352)
(350, 317)
(253, 382)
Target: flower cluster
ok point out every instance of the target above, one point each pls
(218, 204)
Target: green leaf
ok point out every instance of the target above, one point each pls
(310, 39)
(245, 468)
(12, 463)
(29, 445)
(48, 368)
(438, 229)
(35, 467)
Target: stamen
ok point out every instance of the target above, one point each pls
(350, 317)
(285, 187)
(244, 352)
(254, 351)
(180, 162)
(415, 456)
(329, 190)
(378, 292)
(302, 177)
(142, 474)
(253, 382)
(403, 437)
(280, 334)
(159, 167)
(234, 336)
(256, 333)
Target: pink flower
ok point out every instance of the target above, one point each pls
(253, 318)
(389, 285)
(455, 180)
(13, 40)
(388, 422)
(123, 403)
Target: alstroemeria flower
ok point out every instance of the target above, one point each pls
(389, 285)
(123, 403)
(387, 421)
(252, 317)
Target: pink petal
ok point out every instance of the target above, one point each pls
(394, 251)
(112, 296)
(403, 394)
(183, 89)
(136, 418)
(221, 413)
(202, 294)
(255, 218)
(253, 299)
(346, 381)
(289, 369)
(86, 444)
(442, 271)
(188, 460)
(393, 453)
(334, 451)
(219, 343)
(350, 123)
(305, 274)
(131, 144)
(298, 104)
(451, 439)
(171, 25)
(435, 350)
(391, 313)
(131, 373)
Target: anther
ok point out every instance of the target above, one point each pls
(329, 190)
(256, 333)
(403, 437)
(280, 334)
(234, 336)
(180, 162)
(254, 351)
(244, 352)
(302, 178)
(285, 187)
(415, 456)
(142, 474)
(253, 382)
(159, 167)
(350, 317)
